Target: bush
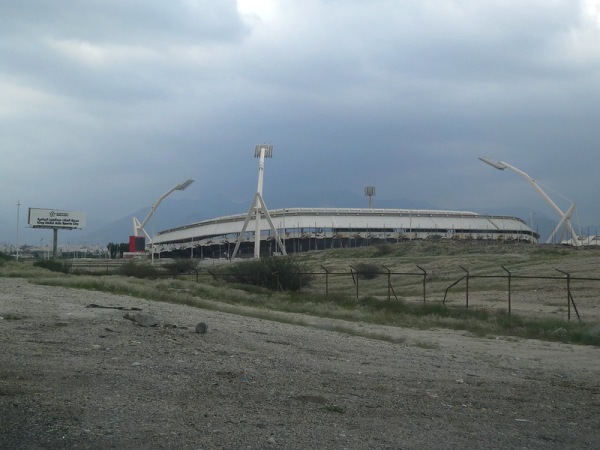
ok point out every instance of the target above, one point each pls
(383, 249)
(274, 272)
(182, 266)
(367, 271)
(138, 270)
(53, 265)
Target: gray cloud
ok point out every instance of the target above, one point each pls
(107, 104)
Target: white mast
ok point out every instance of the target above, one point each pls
(138, 227)
(565, 217)
(260, 152)
(258, 206)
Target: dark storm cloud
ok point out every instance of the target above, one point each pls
(125, 98)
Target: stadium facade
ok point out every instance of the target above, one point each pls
(306, 229)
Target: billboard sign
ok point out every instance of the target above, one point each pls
(54, 218)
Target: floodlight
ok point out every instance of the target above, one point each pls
(183, 186)
(370, 192)
(496, 164)
(268, 149)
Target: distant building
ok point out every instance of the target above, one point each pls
(306, 229)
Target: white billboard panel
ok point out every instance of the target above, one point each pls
(54, 218)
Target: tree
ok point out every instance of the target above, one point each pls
(117, 250)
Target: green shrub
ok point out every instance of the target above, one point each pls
(383, 249)
(53, 265)
(245, 272)
(138, 270)
(367, 271)
(182, 266)
(275, 272)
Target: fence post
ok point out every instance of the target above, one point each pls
(390, 287)
(509, 288)
(326, 280)
(570, 297)
(467, 290)
(352, 269)
(452, 285)
(389, 281)
(277, 283)
(424, 278)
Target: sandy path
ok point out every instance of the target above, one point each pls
(77, 377)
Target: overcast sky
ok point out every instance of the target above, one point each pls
(106, 104)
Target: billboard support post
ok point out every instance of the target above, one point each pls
(54, 219)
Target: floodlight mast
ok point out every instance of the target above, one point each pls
(565, 217)
(139, 227)
(370, 192)
(261, 152)
(258, 206)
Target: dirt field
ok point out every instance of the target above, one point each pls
(73, 376)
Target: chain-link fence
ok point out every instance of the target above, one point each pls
(557, 293)
(562, 294)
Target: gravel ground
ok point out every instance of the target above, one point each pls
(74, 376)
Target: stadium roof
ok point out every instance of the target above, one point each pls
(290, 220)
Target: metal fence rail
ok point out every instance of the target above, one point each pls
(428, 286)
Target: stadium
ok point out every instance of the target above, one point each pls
(296, 230)
(308, 229)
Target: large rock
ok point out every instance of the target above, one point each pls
(143, 319)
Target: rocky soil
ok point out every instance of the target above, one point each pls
(75, 376)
